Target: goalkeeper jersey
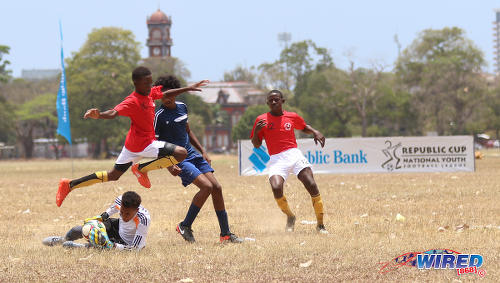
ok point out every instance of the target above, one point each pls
(133, 232)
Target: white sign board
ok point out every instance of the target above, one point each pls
(371, 155)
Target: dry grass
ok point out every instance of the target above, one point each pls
(350, 253)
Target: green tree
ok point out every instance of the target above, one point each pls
(99, 76)
(442, 70)
(4, 73)
(493, 116)
(18, 91)
(6, 114)
(293, 66)
(197, 126)
(392, 114)
(363, 91)
(6, 121)
(38, 114)
(274, 76)
(325, 102)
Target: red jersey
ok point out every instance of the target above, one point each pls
(141, 111)
(278, 133)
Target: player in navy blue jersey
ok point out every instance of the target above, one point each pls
(171, 125)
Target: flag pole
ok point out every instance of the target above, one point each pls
(71, 157)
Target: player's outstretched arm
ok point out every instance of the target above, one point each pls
(194, 87)
(94, 113)
(196, 143)
(318, 137)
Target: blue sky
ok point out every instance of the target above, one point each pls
(212, 37)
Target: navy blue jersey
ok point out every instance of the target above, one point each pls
(170, 125)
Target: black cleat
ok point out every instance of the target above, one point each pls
(186, 232)
(290, 224)
(231, 238)
(321, 229)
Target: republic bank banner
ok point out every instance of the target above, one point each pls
(371, 155)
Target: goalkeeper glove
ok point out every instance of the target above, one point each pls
(103, 217)
(106, 242)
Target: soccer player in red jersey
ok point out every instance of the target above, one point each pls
(276, 127)
(140, 142)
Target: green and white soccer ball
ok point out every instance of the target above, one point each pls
(92, 224)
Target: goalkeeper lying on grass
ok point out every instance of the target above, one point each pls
(125, 233)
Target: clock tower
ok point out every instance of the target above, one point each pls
(159, 41)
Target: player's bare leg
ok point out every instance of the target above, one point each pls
(184, 228)
(207, 185)
(217, 197)
(307, 178)
(220, 210)
(277, 182)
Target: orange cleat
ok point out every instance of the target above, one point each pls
(141, 177)
(63, 191)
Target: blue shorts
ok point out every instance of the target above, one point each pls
(192, 167)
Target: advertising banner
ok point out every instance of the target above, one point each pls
(372, 155)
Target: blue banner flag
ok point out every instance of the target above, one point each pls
(63, 126)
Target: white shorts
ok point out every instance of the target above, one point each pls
(151, 151)
(283, 163)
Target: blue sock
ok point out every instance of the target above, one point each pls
(191, 215)
(223, 224)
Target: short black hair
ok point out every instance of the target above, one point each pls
(168, 82)
(131, 199)
(275, 91)
(140, 72)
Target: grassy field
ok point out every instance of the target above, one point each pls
(360, 214)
